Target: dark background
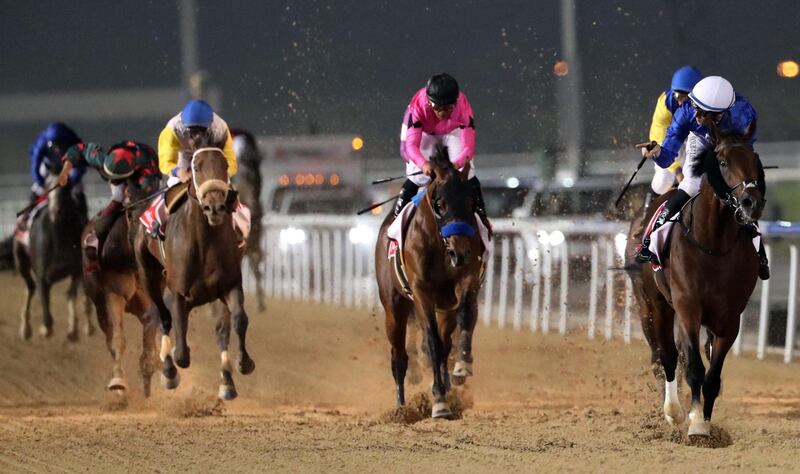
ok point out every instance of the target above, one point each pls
(351, 66)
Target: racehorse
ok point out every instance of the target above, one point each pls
(114, 289)
(248, 183)
(52, 254)
(442, 256)
(707, 275)
(200, 262)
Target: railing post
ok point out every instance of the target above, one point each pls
(763, 318)
(609, 290)
(519, 266)
(562, 316)
(592, 326)
(547, 275)
(488, 295)
(790, 315)
(536, 272)
(503, 296)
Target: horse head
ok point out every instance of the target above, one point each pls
(736, 174)
(210, 181)
(450, 198)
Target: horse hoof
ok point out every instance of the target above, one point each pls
(462, 369)
(170, 383)
(674, 414)
(227, 392)
(25, 333)
(117, 384)
(700, 428)
(245, 366)
(458, 379)
(441, 410)
(88, 331)
(182, 360)
(45, 331)
(73, 336)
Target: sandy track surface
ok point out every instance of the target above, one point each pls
(321, 399)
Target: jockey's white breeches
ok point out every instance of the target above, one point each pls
(453, 143)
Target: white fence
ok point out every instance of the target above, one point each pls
(552, 277)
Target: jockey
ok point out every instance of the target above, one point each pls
(46, 152)
(126, 163)
(711, 99)
(668, 103)
(438, 114)
(197, 126)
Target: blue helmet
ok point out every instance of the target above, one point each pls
(197, 113)
(685, 78)
(59, 135)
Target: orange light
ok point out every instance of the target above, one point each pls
(377, 210)
(334, 179)
(318, 179)
(283, 180)
(788, 69)
(299, 179)
(357, 143)
(309, 179)
(561, 68)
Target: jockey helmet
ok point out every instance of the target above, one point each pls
(685, 78)
(713, 94)
(118, 164)
(442, 89)
(197, 113)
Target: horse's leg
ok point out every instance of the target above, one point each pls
(181, 353)
(426, 316)
(445, 324)
(147, 360)
(72, 319)
(412, 350)
(115, 339)
(227, 389)
(256, 257)
(663, 326)
(712, 383)
(467, 317)
(235, 302)
(88, 329)
(46, 329)
(396, 324)
(25, 314)
(695, 372)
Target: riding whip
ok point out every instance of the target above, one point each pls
(362, 211)
(386, 180)
(29, 207)
(649, 147)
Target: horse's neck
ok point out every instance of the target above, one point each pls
(713, 224)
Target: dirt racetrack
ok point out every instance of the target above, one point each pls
(321, 398)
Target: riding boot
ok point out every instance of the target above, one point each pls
(673, 205)
(480, 205)
(102, 227)
(763, 262)
(409, 191)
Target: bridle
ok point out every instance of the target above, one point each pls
(201, 189)
(726, 195)
(448, 224)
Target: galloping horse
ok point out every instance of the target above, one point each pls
(52, 254)
(709, 273)
(200, 262)
(114, 289)
(442, 255)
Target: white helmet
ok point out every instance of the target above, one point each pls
(713, 94)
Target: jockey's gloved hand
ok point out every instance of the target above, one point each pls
(231, 200)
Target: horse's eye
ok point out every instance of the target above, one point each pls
(723, 164)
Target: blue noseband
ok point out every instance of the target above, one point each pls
(457, 228)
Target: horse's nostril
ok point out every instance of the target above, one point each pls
(747, 202)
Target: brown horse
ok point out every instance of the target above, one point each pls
(200, 262)
(115, 289)
(442, 255)
(709, 273)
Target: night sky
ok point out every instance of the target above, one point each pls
(351, 67)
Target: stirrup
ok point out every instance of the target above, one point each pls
(644, 254)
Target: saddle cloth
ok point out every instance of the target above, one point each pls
(659, 239)
(157, 212)
(22, 227)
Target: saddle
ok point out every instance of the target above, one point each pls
(22, 227)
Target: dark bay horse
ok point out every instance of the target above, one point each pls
(114, 289)
(201, 263)
(442, 255)
(53, 253)
(248, 183)
(709, 273)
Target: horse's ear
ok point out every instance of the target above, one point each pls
(750, 131)
(464, 173)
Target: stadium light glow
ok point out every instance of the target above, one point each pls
(788, 69)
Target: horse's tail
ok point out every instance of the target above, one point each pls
(7, 253)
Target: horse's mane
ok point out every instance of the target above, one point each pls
(441, 159)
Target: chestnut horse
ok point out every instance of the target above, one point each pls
(114, 289)
(442, 255)
(709, 272)
(53, 253)
(200, 262)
